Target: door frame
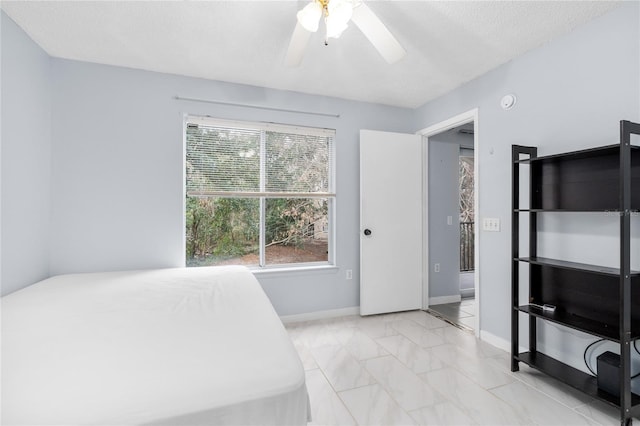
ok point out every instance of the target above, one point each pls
(443, 126)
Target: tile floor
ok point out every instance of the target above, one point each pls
(411, 368)
(463, 312)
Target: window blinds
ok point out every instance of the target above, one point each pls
(258, 159)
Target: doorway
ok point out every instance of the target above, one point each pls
(466, 190)
(452, 288)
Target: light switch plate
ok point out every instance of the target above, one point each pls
(491, 224)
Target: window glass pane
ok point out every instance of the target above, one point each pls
(222, 159)
(296, 231)
(233, 169)
(222, 231)
(297, 163)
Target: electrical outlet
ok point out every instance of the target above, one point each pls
(349, 274)
(491, 224)
(436, 267)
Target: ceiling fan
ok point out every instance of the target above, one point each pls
(337, 14)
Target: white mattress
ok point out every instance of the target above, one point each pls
(173, 346)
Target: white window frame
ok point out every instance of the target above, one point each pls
(262, 195)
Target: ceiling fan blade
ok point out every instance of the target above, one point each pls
(297, 46)
(377, 33)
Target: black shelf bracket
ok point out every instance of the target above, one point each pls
(626, 129)
(517, 151)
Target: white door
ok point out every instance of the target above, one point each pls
(390, 222)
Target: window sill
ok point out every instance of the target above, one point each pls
(294, 270)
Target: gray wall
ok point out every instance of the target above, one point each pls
(571, 95)
(25, 159)
(444, 201)
(118, 166)
(444, 240)
(464, 140)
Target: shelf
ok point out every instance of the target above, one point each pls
(589, 298)
(575, 322)
(587, 180)
(582, 267)
(578, 155)
(571, 376)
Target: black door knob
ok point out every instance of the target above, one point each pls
(367, 232)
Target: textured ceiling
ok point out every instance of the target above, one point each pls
(448, 42)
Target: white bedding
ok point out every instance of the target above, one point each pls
(173, 346)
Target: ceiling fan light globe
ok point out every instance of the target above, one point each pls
(340, 11)
(335, 29)
(309, 16)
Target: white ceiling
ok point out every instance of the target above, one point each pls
(448, 42)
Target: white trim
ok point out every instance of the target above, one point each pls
(496, 341)
(310, 316)
(262, 220)
(332, 203)
(443, 126)
(476, 218)
(468, 293)
(440, 300)
(426, 266)
(296, 268)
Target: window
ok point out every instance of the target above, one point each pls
(258, 194)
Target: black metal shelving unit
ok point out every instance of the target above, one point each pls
(601, 301)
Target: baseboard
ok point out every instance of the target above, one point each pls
(494, 340)
(467, 292)
(498, 342)
(444, 299)
(310, 316)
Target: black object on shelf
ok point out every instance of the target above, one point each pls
(608, 378)
(594, 299)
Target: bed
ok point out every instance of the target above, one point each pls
(173, 346)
